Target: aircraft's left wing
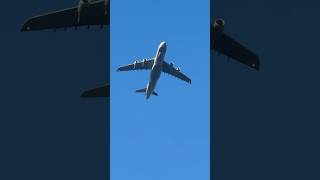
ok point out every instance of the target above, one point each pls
(95, 15)
(169, 69)
(97, 92)
(138, 65)
(231, 48)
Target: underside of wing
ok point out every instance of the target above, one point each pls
(169, 69)
(97, 92)
(138, 65)
(231, 48)
(94, 14)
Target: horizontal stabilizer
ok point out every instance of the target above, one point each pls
(97, 92)
(143, 90)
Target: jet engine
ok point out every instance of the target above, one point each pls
(219, 25)
(135, 63)
(178, 69)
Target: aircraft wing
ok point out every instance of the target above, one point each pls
(142, 65)
(97, 92)
(169, 69)
(96, 15)
(231, 48)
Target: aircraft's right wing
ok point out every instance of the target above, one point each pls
(97, 92)
(231, 48)
(169, 69)
(95, 15)
(138, 65)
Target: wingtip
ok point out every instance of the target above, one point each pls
(23, 28)
(256, 66)
(119, 69)
(98, 92)
(26, 25)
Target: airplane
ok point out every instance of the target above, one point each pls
(86, 13)
(156, 65)
(224, 44)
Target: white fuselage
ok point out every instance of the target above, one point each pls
(156, 69)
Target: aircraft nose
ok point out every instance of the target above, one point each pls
(163, 45)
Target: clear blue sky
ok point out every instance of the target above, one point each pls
(165, 137)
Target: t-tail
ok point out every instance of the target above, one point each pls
(144, 90)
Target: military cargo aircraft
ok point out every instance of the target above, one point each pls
(156, 65)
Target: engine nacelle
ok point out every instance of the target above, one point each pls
(134, 64)
(144, 62)
(218, 26)
(178, 69)
(219, 23)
